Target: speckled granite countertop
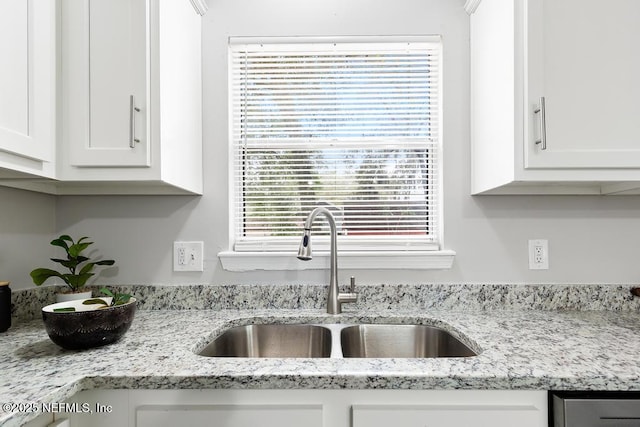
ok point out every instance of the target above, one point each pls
(519, 349)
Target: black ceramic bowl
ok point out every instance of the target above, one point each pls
(87, 327)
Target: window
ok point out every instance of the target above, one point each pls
(350, 125)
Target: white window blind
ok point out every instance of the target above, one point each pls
(352, 126)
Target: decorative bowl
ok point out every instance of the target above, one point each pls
(89, 325)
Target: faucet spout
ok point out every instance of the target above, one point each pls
(304, 252)
(335, 299)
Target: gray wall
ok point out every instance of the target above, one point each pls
(27, 222)
(591, 239)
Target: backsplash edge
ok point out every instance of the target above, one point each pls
(26, 303)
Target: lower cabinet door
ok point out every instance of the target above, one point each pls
(240, 415)
(310, 408)
(447, 416)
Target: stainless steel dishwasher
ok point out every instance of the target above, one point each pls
(594, 409)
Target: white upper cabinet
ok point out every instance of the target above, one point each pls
(554, 96)
(105, 82)
(131, 98)
(101, 97)
(27, 88)
(585, 61)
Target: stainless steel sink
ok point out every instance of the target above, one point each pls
(409, 341)
(336, 341)
(278, 340)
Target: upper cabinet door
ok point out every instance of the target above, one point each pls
(105, 63)
(584, 59)
(27, 78)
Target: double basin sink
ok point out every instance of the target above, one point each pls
(337, 341)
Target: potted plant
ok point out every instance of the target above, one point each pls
(80, 268)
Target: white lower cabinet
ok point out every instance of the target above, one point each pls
(273, 415)
(451, 408)
(498, 414)
(43, 420)
(310, 408)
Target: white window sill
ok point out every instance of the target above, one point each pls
(417, 260)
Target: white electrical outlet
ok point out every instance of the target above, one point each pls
(188, 256)
(538, 254)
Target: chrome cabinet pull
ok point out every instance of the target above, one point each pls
(543, 125)
(132, 122)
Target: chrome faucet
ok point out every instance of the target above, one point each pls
(335, 299)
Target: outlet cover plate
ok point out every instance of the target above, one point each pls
(188, 256)
(538, 254)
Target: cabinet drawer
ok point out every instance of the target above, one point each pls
(448, 415)
(240, 415)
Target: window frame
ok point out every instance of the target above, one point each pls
(358, 255)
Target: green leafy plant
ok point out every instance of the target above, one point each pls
(117, 299)
(80, 266)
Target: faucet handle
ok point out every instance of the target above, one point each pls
(348, 297)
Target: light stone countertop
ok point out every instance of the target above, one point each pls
(518, 349)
